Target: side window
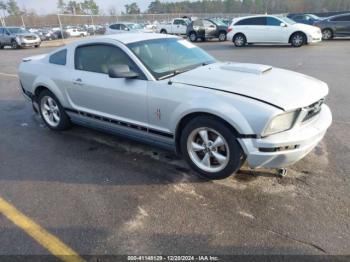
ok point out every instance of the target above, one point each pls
(344, 18)
(198, 23)
(252, 21)
(100, 57)
(207, 23)
(122, 27)
(299, 17)
(114, 26)
(59, 58)
(1, 31)
(177, 22)
(271, 21)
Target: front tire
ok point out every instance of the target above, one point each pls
(193, 37)
(163, 31)
(239, 40)
(14, 44)
(298, 40)
(327, 34)
(52, 112)
(210, 148)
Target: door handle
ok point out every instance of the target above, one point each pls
(78, 81)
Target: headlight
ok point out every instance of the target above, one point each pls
(281, 123)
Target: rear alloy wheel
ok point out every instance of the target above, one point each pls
(298, 40)
(193, 37)
(327, 34)
(239, 40)
(222, 36)
(210, 148)
(52, 112)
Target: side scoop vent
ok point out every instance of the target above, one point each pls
(246, 68)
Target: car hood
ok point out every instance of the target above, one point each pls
(25, 34)
(307, 28)
(282, 88)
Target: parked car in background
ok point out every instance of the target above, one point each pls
(166, 91)
(126, 27)
(178, 26)
(46, 34)
(75, 32)
(308, 19)
(335, 26)
(207, 29)
(17, 37)
(272, 29)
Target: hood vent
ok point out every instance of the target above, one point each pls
(246, 68)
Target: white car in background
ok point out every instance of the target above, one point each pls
(176, 27)
(272, 29)
(126, 27)
(75, 32)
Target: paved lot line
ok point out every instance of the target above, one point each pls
(44, 238)
(10, 75)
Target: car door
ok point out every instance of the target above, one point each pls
(210, 29)
(342, 25)
(179, 27)
(275, 33)
(198, 27)
(7, 36)
(255, 29)
(91, 89)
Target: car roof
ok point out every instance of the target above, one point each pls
(128, 38)
(338, 15)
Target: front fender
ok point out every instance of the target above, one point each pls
(213, 106)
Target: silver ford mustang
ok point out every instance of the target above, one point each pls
(166, 91)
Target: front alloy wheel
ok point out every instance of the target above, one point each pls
(210, 147)
(193, 37)
(327, 34)
(298, 40)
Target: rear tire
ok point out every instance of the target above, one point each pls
(222, 36)
(210, 148)
(327, 34)
(163, 31)
(239, 40)
(52, 112)
(298, 40)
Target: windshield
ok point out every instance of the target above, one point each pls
(167, 57)
(314, 16)
(17, 30)
(287, 20)
(134, 26)
(219, 22)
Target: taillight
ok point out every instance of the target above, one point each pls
(229, 29)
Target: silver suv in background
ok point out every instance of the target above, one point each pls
(17, 37)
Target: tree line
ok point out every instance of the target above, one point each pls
(248, 6)
(90, 7)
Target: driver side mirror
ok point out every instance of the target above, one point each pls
(122, 71)
(283, 25)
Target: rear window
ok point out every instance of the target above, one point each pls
(252, 21)
(59, 58)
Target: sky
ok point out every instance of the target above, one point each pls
(49, 6)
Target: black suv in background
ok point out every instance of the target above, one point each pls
(338, 25)
(207, 29)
